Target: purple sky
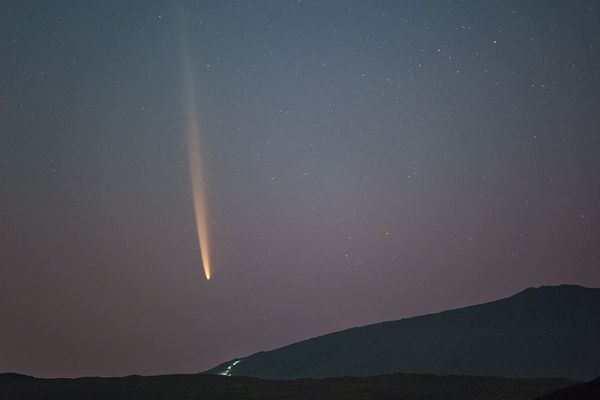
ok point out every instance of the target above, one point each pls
(364, 161)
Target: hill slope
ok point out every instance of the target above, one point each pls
(584, 391)
(547, 331)
(174, 387)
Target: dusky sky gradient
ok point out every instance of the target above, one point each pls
(363, 160)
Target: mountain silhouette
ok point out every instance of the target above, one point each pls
(546, 331)
(584, 391)
(185, 387)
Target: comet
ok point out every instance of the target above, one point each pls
(191, 128)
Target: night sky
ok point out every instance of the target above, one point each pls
(363, 161)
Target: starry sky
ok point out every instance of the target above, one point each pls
(363, 161)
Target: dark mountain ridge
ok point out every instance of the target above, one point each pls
(175, 387)
(583, 391)
(546, 331)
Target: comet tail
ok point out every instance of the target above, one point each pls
(192, 132)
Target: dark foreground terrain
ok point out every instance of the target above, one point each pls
(583, 391)
(397, 386)
(546, 331)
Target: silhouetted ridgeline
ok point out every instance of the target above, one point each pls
(546, 331)
(584, 391)
(175, 387)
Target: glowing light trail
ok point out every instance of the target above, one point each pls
(227, 371)
(192, 132)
